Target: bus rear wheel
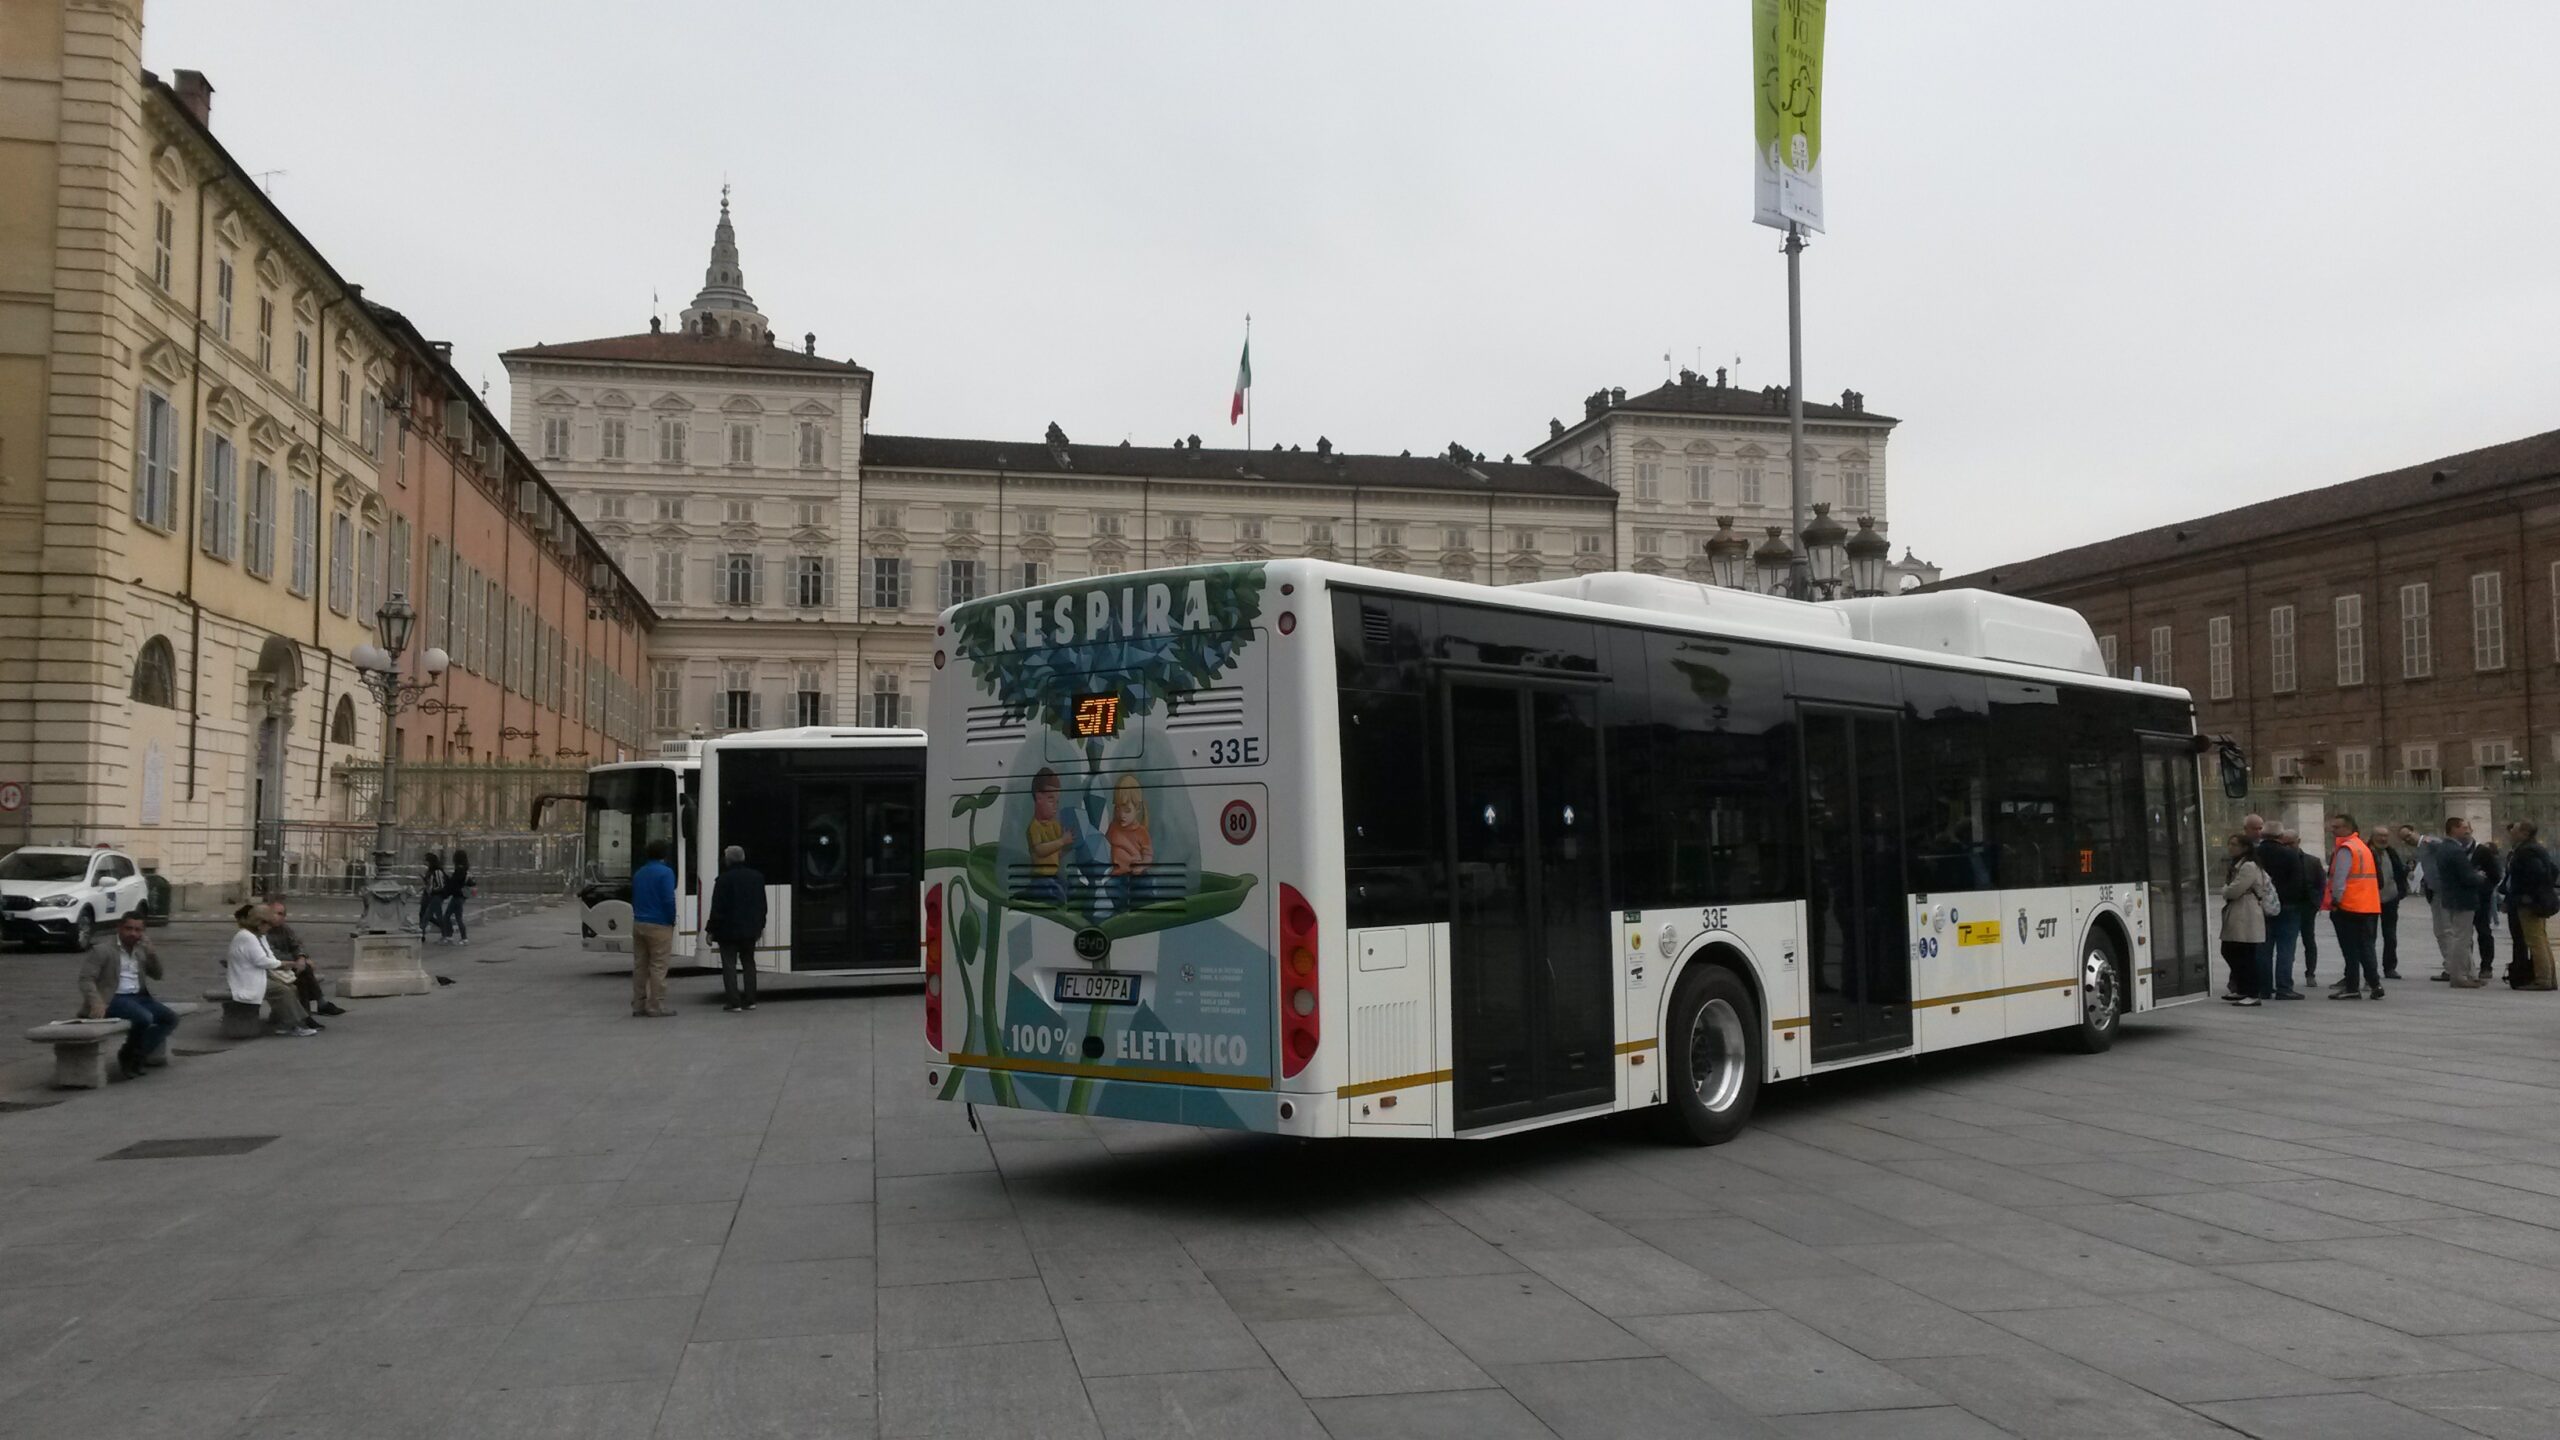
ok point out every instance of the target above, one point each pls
(1711, 1058)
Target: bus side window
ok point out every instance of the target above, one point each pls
(2027, 786)
(1946, 738)
(1723, 770)
(1390, 839)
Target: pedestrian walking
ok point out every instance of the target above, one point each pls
(2533, 884)
(2246, 894)
(2393, 880)
(735, 924)
(2355, 909)
(2454, 891)
(457, 888)
(653, 930)
(2276, 862)
(115, 983)
(431, 898)
(2309, 898)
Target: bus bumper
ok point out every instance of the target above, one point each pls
(1267, 1112)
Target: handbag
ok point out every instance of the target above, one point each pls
(2267, 898)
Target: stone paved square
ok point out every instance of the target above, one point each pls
(508, 1209)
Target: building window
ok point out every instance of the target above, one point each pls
(671, 438)
(1854, 491)
(742, 581)
(342, 562)
(888, 583)
(888, 517)
(342, 725)
(1454, 537)
(302, 366)
(555, 437)
(1107, 567)
(2349, 610)
(2161, 672)
(1701, 488)
(346, 402)
(368, 576)
(1035, 573)
(164, 245)
(813, 582)
(222, 277)
(221, 499)
(1648, 479)
(742, 443)
(1106, 524)
(155, 674)
(266, 336)
(1180, 527)
(888, 706)
(738, 512)
(369, 425)
(1750, 484)
(2492, 757)
(2355, 765)
(2418, 764)
(2488, 621)
(617, 437)
(812, 514)
(612, 507)
(671, 507)
(1319, 532)
(738, 707)
(1587, 543)
(2417, 634)
(1248, 532)
(669, 589)
(1649, 543)
(306, 540)
(2107, 653)
(1035, 522)
(2217, 656)
(2286, 765)
(666, 696)
(1524, 540)
(959, 582)
(261, 556)
(1391, 537)
(810, 699)
(395, 568)
(813, 445)
(2282, 671)
(155, 462)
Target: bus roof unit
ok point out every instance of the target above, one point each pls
(1980, 624)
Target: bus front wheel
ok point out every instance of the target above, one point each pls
(1711, 1058)
(2101, 998)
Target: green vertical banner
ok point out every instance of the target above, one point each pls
(1786, 64)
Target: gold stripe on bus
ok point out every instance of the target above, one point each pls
(1105, 1072)
(1791, 1024)
(1373, 1087)
(1629, 1047)
(1992, 994)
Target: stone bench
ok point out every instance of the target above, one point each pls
(241, 1019)
(79, 1054)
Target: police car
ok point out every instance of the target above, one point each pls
(63, 894)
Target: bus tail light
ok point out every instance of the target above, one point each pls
(1301, 1009)
(933, 967)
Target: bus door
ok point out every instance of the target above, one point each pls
(2175, 868)
(1532, 1008)
(1860, 957)
(853, 890)
(889, 865)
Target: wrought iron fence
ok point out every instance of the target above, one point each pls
(492, 796)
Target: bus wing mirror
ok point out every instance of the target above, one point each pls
(542, 806)
(2235, 767)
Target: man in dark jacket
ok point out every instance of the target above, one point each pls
(735, 923)
(2453, 885)
(2277, 862)
(2533, 896)
(2311, 881)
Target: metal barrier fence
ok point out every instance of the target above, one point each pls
(337, 858)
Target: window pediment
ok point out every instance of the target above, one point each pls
(811, 537)
(222, 403)
(346, 346)
(167, 362)
(344, 490)
(614, 400)
(742, 531)
(671, 401)
(266, 434)
(812, 410)
(305, 308)
(301, 460)
(1038, 547)
(377, 372)
(270, 269)
(670, 530)
(171, 170)
(741, 405)
(229, 228)
(1110, 550)
(556, 397)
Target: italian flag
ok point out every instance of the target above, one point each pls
(1244, 382)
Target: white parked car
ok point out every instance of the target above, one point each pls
(64, 894)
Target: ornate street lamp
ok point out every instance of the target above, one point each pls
(378, 665)
(1728, 555)
(1868, 551)
(1822, 550)
(1774, 559)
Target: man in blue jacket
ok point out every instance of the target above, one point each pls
(653, 930)
(735, 923)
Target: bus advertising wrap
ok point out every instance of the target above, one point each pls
(1106, 917)
(1786, 67)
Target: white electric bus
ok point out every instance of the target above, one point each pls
(1321, 850)
(631, 804)
(830, 815)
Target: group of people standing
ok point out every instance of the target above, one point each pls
(734, 922)
(2274, 891)
(441, 892)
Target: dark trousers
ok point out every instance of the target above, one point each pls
(151, 1022)
(453, 917)
(306, 987)
(2391, 939)
(2242, 957)
(2488, 934)
(2519, 962)
(2355, 946)
(2306, 918)
(738, 972)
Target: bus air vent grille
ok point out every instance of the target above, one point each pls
(1220, 707)
(989, 723)
(1388, 1040)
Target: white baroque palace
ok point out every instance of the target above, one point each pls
(798, 561)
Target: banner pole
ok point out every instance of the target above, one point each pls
(1799, 568)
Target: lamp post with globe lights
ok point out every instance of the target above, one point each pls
(378, 665)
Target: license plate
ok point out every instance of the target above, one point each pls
(1097, 987)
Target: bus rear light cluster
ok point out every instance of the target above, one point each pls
(1301, 1012)
(933, 967)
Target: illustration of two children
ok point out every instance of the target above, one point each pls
(1132, 849)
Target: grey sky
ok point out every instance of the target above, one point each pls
(2111, 265)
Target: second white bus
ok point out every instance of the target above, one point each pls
(1326, 851)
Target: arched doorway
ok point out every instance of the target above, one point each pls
(270, 699)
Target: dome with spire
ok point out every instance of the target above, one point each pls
(723, 307)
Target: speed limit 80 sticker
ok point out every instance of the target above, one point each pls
(1237, 822)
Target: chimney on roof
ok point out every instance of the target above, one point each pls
(1323, 446)
(1719, 377)
(195, 95)
(1192, 442)
(1688, 378)
(653, 324)
(1555, 427)
(809, 343)
(443, 349)
(1057, 440)
(1617, 396)
(1594, 403)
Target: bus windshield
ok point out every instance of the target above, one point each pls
(627, 809)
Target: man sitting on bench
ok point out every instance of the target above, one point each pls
(287, 947)
(115, 983)
(256, 975)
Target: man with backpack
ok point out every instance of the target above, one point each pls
(2393, 881)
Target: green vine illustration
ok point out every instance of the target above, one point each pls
(970, 925)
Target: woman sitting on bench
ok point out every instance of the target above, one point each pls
(256, 975)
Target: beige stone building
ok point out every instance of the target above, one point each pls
(192, 529)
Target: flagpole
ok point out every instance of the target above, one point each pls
(1248, 390)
